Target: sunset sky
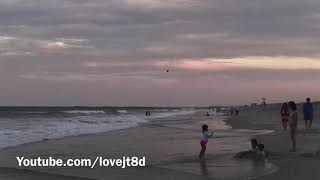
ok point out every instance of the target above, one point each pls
(116, 52)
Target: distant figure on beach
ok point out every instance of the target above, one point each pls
(148, 113)
(284, 115)
(237, 112)
(204, 140)
(263, 102)
(208, 114)
(308, 113)
(293, 122)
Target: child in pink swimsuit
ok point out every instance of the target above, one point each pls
(204, 140)
(284, 115)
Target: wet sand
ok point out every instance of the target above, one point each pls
(157, 142)
(302, 164)
(171, 148)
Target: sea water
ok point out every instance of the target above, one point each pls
(20, 125)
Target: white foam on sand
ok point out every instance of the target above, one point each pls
(85, 112)
(122, 111)
(164, 114)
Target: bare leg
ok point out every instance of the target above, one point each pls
(310, 123)
(293, 138)
(284, 124)
(203, 150)
(306, 123)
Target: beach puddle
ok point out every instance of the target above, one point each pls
(224, 168)
(220, 162)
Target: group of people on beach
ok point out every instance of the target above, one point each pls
(257, 151)
(289, 115)
(148, 113)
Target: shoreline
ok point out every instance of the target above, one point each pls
(292, 165)
(169, 144)
(112, 143)
(148, 121)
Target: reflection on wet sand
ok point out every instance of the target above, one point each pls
(203, 168)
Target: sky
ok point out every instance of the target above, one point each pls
(117, 52)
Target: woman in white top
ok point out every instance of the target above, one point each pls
(293, 122)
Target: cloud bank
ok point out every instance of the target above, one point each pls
(116, 52)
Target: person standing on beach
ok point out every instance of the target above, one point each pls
(308, 113)
(284, 116)
(237, 112)
(293, 122)
(204, 140)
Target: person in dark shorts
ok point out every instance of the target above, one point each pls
(308, 113)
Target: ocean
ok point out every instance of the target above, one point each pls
(20, 125)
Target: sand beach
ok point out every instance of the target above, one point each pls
(171, 146)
